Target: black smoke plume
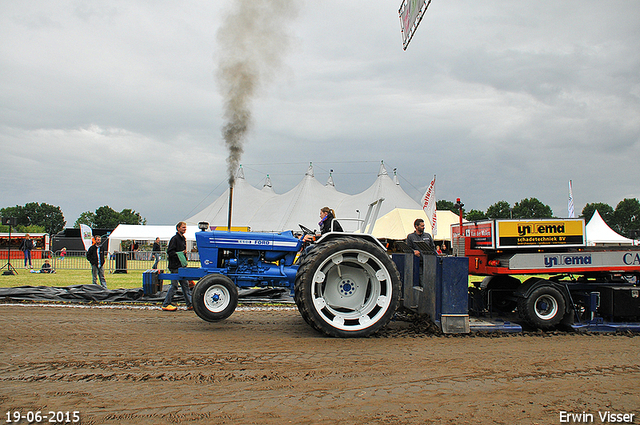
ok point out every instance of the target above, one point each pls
(252, 43)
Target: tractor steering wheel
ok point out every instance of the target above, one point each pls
(306, 230)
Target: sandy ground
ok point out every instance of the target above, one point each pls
(146, 366)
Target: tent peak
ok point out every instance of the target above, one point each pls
(330, 182)
(309, 170)
(382, 171)
(267, 182)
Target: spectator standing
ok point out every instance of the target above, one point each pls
(155, 253)
(95, 255)
(177, 244)
(420, 236)
(26, 246)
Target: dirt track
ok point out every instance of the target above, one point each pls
(136, 366)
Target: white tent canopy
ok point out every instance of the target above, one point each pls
(131, 232)
(246, 200)
(398, 223)
(599, 233)
(384, 187)
(265, 211)
(300, 205)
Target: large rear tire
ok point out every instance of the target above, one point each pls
(544, 308)
(347, 287)
(215, 297)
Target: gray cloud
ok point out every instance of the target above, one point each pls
(116, 103)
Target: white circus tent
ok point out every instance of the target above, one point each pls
(129, 232)
(300, 205)
(265, 211)
(383, 188)
(398, 223)
(246, 200)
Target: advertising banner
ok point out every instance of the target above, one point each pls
(540, 233)
(411, 12)
(480, 233)
(86, 234)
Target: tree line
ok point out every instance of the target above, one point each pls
(44, 218)
(624, 219)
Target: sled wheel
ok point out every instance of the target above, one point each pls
(347, 287)
(544, 308)
(215, 297)
(498, 292)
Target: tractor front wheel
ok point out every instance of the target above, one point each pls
(215, 297)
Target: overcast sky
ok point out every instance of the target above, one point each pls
(117, 102)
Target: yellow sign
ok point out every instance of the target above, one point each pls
(515, 233)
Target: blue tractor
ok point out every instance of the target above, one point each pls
(344, 285)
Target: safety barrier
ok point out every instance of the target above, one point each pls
(117, 262)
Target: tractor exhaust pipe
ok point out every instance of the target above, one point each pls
(230, 205)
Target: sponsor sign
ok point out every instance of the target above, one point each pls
(579, 260)
(86, 234)
(481, 233)
(540, 233)
(411, 12)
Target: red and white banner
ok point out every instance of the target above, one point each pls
(429, 205)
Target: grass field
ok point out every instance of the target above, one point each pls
(77, 271)
(131, 279)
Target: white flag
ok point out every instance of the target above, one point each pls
(86, 233)
(429, 205)
(572, 213)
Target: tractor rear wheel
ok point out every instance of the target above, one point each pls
(215, 297)
(347, 287)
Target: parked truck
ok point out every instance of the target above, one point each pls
(571, 283)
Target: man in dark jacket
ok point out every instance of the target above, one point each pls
(178, 243)
(155, 253)
(420, 236)
(95, 255)
(26, 246)
(427, 247)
